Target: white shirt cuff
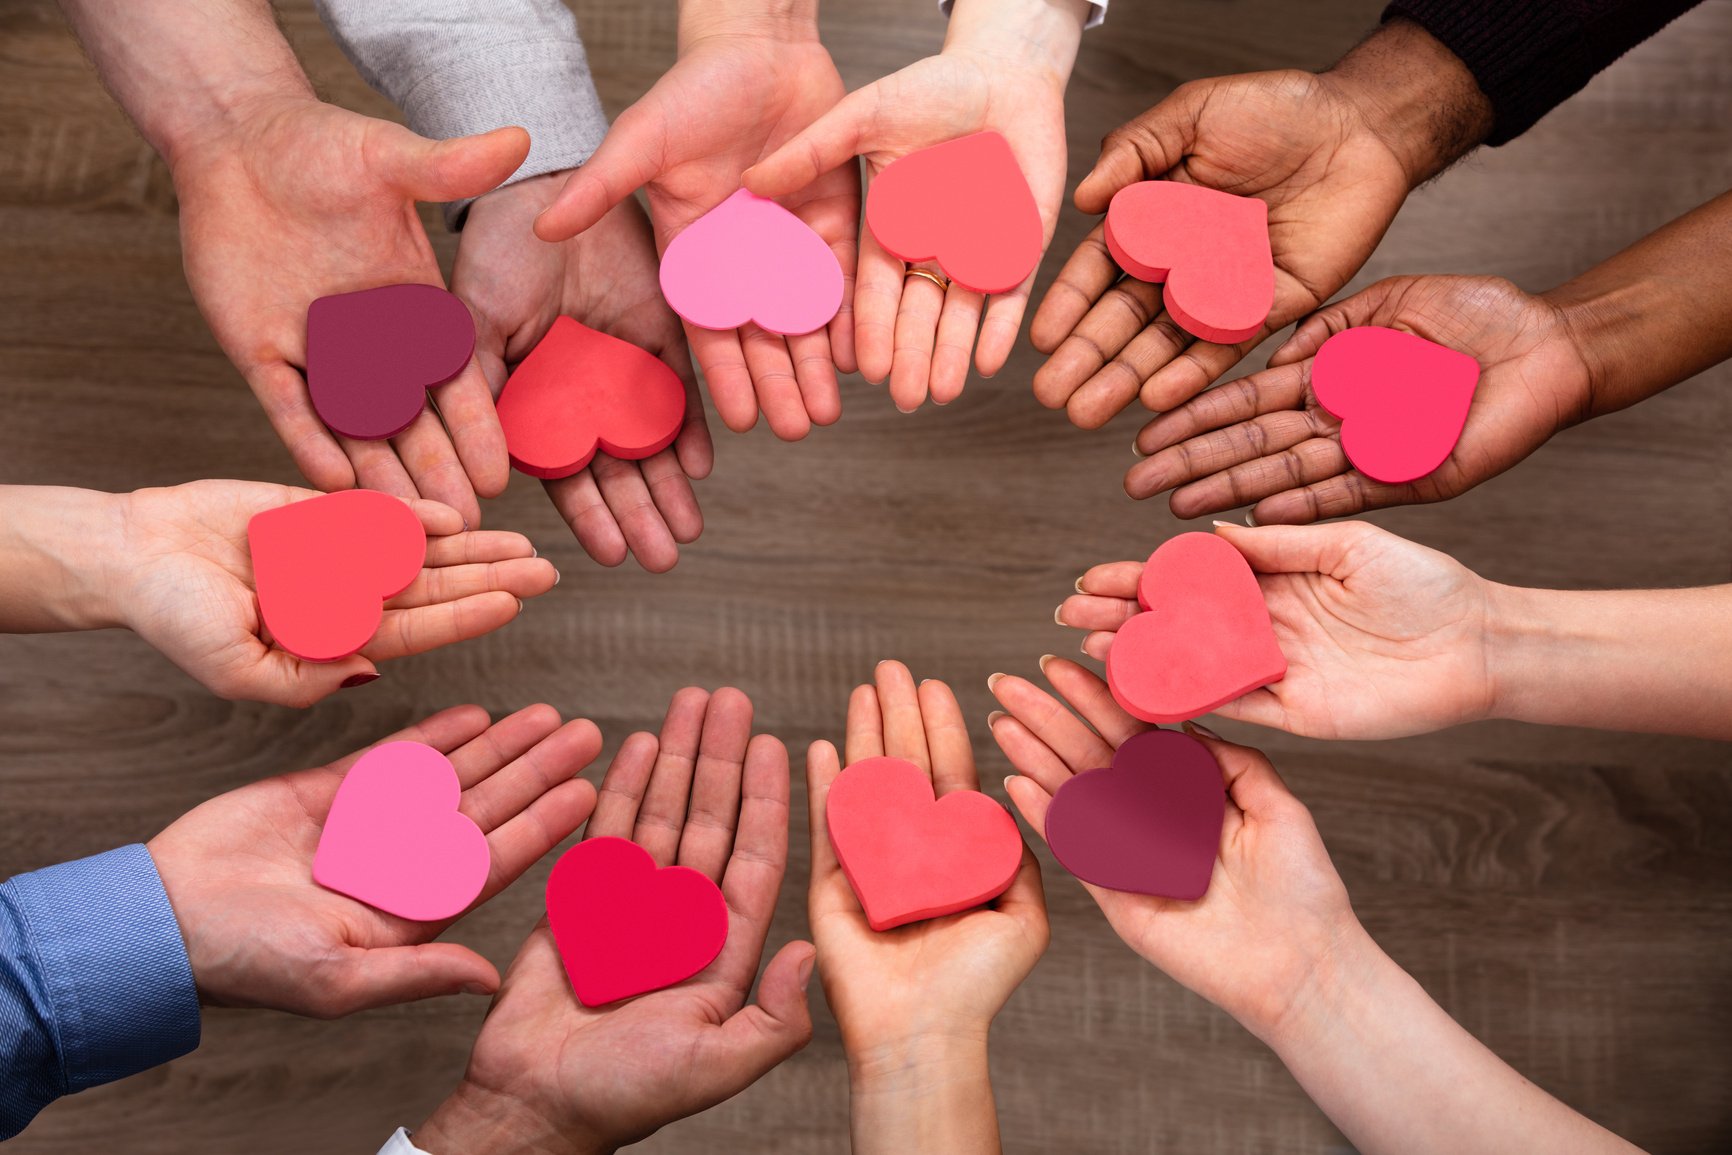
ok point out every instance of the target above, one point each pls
(399, 1144)
(1097, 12)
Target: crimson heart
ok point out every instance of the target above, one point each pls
(580, 390)
(1402, 400)
(372, 355)
(1150, 823)
(1211, 248)
(1203, 639)
(964, 204)
(911, 856)
(324, 567)
(625, 927)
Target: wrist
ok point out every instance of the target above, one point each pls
(927, 1063)
(62, 559)
(473, 1119)
(214, 129)
(1522, 643)
(783, 20)
(1334, 978)
(1042, 35)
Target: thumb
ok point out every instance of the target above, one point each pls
(402, 974)
(1362, 308)
(1146, 148)
(449, 170)
(832, 140)
(1322, 549)
(762, 1034)
(630, 156)
(288, 681)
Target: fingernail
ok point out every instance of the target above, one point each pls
(1136, 448)
(1199, 728)
(1044, 659)
(1085, 649)
(353, 680)
(519, 605)
(806, 970)
(1057, 620)
(475, 989)
(1008, 779)
(905, 412)
(533, 552)
(992, 680)
(1227, 524)
(1250, 519)
(992, 718)
(556, 576)
(1079, 588)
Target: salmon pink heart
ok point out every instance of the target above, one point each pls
(394, 839)
(580, 390)
(751, 260)
(625, 927)
(324, 567)
(965, 204)
(1402, 400)
(372, 355)
(1203, 639)
(1211, 248)
(911, 856)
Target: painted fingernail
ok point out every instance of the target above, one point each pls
(992, 718)
(806, 970)
(1199, 728)
(1250, 519)
(992, 680)
(353, 680)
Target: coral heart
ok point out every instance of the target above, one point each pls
(323, 568)
(1204, 638)
(372, 355)
(750, 259)
(1150, 823)
(964, 204)
(1402, 400)
(909, 855)
(395, 840)
(1211, 248)
(579, 390)
(625, 927)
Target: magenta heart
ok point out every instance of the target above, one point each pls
(1149, 824)
(372, 355)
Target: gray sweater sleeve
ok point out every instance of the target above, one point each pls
(457, 67)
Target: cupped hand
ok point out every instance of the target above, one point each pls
(184, 574)
(731, 99)
(913, 990)
(606, 278)
(1383, 637)
(548, 1074)
(1275, 912)
(1264, 440)
(301, 200)
(261, 933)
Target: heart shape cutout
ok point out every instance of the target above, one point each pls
(395, 840)
(1402, 400)
(910, 855)
(1149, 824)
(580, 390)
(624, 926)
(750, 259)
(1204, 639)
(323, 568)
(965, 204)
(1210, 247)
(372, 355)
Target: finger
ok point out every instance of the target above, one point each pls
(1342, 495)
(916, 332)
(1063, 733)
(1148, 146)
(877, 301)
(506, 740)
(423, 628)
(708, 837)
(1090, 697)
(445, 731)
(1191, 370)
(778, 390)
(431, 462)
(386, 976)
(829, 890)
(1113, 579)
(448, 170)
(1228, 404)
(760, 1035)
(1087, 274)
(630, 156)
(1103, 364)
(1287, 469)
(1261, 707)
(1025, 900)
(1099, 644)
(753, 874)
(865, 727)
(827, 143)
(1322, 549)
(524, 577)
(632, 507)
(671, 489)
(441, 521)
(377, 467)
(622, 788)
(1251, 779)
(815, 374)
(1088, 612)
(947, 738)
(954, 343)
(557, 758)
(278, 677)
(723, 361)
(1212, 453)
(1031, 800)
(661, 817)
(581, 506)
(1362, 308)
(1028, 754)
(525, 839)
(282, 391)
(899, 702)
(694, 447)
(465, 405)
(998, 331)
(477, 547)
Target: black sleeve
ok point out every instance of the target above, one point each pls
(1529, 56)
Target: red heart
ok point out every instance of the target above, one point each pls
(1204, 639)
(1402, 399)
(625, 927)
(579, 390)
(964, 204)
(1211, 248)
(324, 567)
(372, 355)
(910, 856)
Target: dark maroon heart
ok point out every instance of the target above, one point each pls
(372, 355)
(1149, 824)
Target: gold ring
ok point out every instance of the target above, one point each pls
(943, 283)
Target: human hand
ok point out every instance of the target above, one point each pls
(605, 277)
(1003, 67)
(1383, 637)
(739, 89)
(550, 1075)
(297, 199)
(1264, 439)
(182, 571)
(261, 933)
(1275, 918)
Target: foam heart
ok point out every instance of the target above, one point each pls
(1402, 400)
(1211, 248)
(750, 259)
(323, 568)
(1150, 823)
(394, 839)
(372, 355)
(911, 856)
(625, 927)
(1204, 638)
(579, 390)
(965, 204)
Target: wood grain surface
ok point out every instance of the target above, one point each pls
(1567, 895)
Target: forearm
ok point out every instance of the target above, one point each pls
(54, 548)
(931, 1095)
(1046, 33)
(185, 70)
(1644, 660)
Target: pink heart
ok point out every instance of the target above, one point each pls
(394, 839)
(1211, 248)
(625, 927)
(1402, 400)
(1148, 824)
(750, 259)
(372, 355)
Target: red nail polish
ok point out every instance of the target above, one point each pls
(354, 680)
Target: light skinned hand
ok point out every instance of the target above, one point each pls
(1383, 637)
(736, 93)
(549, 1075)
(606, 278)
(261, 933)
